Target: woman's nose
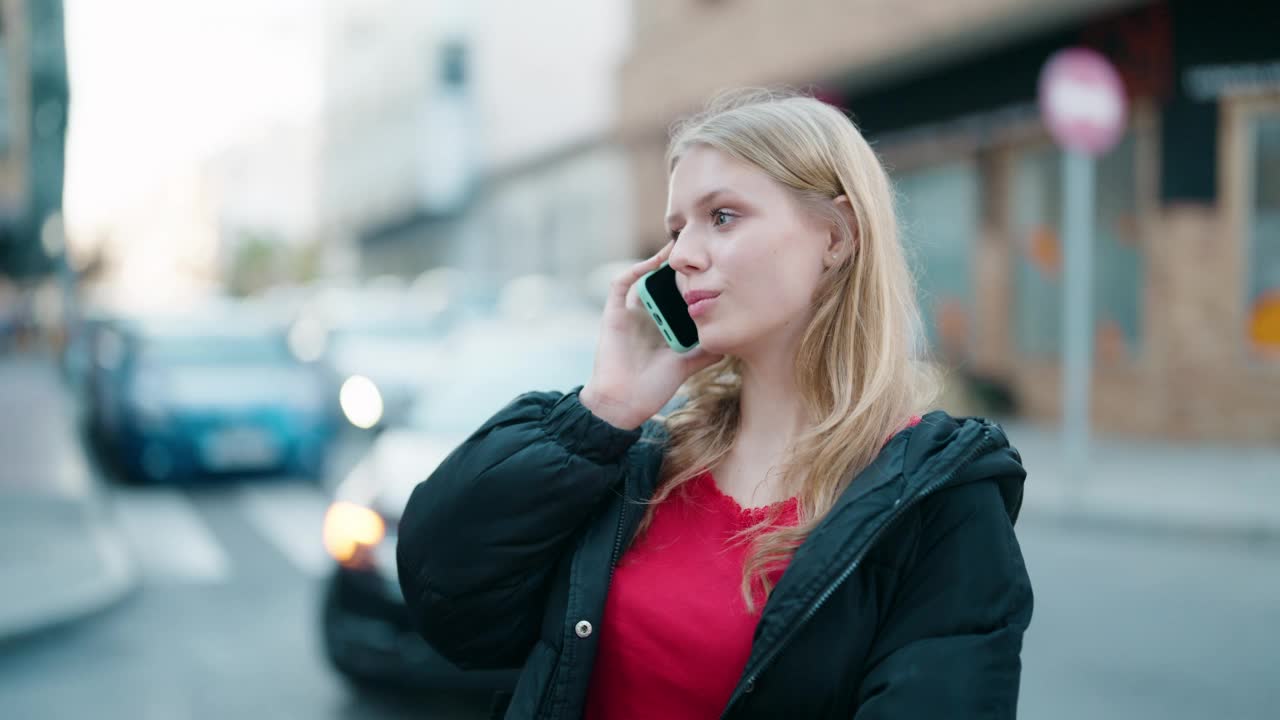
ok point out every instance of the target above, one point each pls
(687, 256)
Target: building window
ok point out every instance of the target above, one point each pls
(1264, 236)
(1036, 208)
(1117, 254)
(453, 64)
(939, 209)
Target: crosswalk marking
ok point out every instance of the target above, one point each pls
(169, 539)
(172, 543)
(291, 517)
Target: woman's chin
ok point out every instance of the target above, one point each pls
(714, 343)
(715, 340)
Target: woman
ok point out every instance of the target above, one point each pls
(793, 540)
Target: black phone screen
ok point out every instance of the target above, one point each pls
(662, 288)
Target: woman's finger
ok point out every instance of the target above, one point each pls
(623, 283)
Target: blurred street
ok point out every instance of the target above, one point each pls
(222, 614)
(234, 633)
(224, 618)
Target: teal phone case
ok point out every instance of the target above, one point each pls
(655, 314)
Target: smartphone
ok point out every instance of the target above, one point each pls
(667, 308)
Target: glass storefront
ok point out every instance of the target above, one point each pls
(1263, 298)
(1036, 223)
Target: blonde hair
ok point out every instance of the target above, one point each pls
(858, 375)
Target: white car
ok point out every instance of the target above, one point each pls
(366, 626)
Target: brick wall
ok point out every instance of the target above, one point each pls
(1194, 377)
(685, 50)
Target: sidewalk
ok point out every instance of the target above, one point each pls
(60, 555)
(1151, 485)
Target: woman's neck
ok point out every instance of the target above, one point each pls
(770, 418)
(769, 405)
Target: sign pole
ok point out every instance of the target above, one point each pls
(1077, 337)
(1083, 103)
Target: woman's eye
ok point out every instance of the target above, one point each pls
(674, 235)
(720, 217)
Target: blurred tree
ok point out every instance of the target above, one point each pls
(255, 263)
(262, 259)
(305, 263)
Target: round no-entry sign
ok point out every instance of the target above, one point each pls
(1082, 101)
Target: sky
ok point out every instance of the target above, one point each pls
(158, 85)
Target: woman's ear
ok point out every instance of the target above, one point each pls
(841, 246)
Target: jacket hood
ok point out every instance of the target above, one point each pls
(962, 450)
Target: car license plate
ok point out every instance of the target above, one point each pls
(239, 449)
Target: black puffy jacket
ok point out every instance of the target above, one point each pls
(908, 601)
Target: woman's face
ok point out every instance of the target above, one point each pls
(743, 235)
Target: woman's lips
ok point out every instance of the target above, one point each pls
(702, 307)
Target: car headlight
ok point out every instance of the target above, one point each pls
(361, 401)
(352, 532)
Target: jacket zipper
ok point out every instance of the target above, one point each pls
(622, 520)
(844, 575)
(613, 562)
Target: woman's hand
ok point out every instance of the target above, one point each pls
(636, 372)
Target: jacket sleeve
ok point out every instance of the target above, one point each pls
(950, 644)
(479, 539)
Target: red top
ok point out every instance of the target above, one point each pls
(676, 635)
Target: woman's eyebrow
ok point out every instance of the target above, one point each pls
(706, 199)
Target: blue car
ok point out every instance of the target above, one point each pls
(214, 396)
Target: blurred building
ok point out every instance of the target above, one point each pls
(399, 132)
(562, 213)
(390, 136)
(33, 112)
(1187, 233)
(551, 193)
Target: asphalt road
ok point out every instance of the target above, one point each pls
(1135, 625)
(224, 623)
